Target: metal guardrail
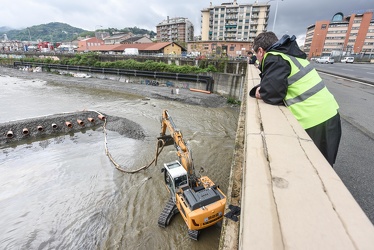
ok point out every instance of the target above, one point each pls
(208, 80)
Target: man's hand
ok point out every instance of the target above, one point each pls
(258, 96)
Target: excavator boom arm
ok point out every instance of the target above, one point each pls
(183, 151)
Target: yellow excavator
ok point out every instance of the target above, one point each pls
(199, 201)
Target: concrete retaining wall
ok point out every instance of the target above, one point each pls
(227, 85)
(291, 198)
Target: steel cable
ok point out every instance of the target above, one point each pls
(118, 167)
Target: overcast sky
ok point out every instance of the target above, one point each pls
(293, 16)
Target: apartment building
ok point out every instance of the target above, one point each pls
(230, 49)
(234, 22)
(178, 29)
(342, 35)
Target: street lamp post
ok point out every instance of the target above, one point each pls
(96, 29)
(275, 15)
(276, 12)
(340, 52)
(28, 29)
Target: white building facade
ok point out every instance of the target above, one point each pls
(178, 29)
(234, 22)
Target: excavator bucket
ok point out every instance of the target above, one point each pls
(166, 139)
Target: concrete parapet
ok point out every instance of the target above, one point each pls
(291, 197)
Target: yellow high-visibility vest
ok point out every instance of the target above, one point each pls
(307, 96)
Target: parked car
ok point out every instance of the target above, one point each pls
(241, 58)
(347, 59)
(325, 59)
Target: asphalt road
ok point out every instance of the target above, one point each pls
(356, 152)
(354, 71)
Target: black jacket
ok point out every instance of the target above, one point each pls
(253, 59)
(275, 71)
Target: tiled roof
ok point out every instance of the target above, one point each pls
(144, 46)
(121, 47)
(120, 36)
(103, 47)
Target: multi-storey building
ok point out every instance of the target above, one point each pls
(234, 22)
(177, 29)
(353, 34)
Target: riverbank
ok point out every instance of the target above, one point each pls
(145, 91)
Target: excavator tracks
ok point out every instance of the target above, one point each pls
(167, 213)
(193, 234)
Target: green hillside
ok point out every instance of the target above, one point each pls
(62, 32)
(55, 32)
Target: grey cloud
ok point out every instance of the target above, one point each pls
(293, 16)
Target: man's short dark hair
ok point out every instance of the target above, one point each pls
(264, 40)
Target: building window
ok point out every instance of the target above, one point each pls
(323, 27)
(338, 17)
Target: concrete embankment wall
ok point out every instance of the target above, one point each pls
(227, 85)
(291, 198)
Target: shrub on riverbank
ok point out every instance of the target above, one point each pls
(93, 60)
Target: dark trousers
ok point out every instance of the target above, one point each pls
(327, 136)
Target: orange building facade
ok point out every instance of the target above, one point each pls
(220, 48)
(343, 35)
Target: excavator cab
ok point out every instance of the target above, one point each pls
(175, 177)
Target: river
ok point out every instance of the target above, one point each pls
(64, 193)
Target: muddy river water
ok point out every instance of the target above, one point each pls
(64, 193)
